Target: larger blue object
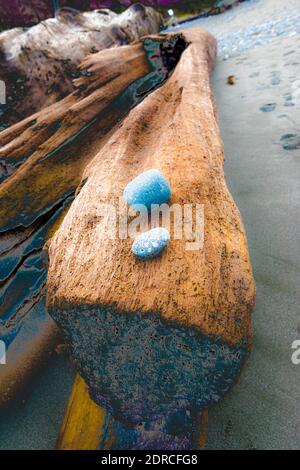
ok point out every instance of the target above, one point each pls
(150, 187)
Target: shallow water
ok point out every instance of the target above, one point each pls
(253, 23)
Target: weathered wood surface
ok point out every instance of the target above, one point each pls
(42, 160)
(38, 64)
(87, 426)
(160, 337)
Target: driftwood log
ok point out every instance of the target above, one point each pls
(38, 64)
(166, 337)
(42, 161)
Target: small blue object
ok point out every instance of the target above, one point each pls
(150, 244)
(150, 187)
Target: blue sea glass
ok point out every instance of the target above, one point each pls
(150, 187)
(151, 243)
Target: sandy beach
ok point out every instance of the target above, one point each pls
(263, 176)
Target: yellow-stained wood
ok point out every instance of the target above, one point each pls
(202, 423)
(83, 422)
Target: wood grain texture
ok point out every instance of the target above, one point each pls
(38, 64)
(159, 337)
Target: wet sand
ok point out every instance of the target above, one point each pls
(262, 151)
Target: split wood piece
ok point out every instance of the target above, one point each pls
(172, 334)
(38, 64)
(84, 421)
